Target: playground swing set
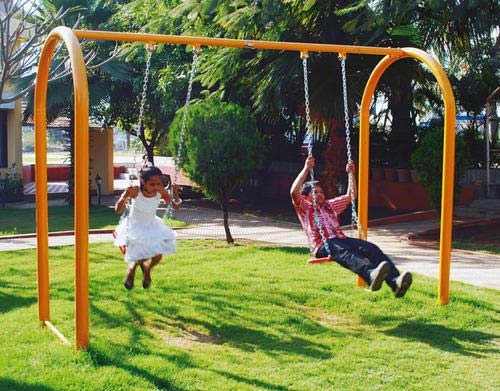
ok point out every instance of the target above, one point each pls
(71, 38)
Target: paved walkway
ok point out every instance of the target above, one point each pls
(470, 267)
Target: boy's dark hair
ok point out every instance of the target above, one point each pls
(306, 189)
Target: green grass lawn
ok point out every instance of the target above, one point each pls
(220, 317)
(52, 158)
(14, 221)
(471, 245)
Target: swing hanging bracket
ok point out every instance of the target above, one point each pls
(197, 48)
(150, 46)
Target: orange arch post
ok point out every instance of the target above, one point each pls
(448, 155)
(81, 130)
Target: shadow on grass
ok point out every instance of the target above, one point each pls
(181, 360)
(220, 328)
(445, 338)
(252, 382)
(10, 302)
(101, 358)
(12, 385)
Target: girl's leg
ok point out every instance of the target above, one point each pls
(155, 260)
(128, 282)
(146, 269)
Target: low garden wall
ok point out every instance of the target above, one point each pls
(391, 190)
(54, 173)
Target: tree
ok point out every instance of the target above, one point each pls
(221, 151)
(454, 31)
(24, 26)
(428, 158)
(272, 81)
(165, 94)
(168, 77)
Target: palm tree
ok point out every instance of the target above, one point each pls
(273, 81)
(452, 30)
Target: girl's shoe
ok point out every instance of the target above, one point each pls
(128, 282)
(146, 279)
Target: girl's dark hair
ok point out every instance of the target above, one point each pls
(147, 172)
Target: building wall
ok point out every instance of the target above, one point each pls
(14, 138)
(101, 159)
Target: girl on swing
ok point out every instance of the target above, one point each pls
(143, 233)
(359, 256)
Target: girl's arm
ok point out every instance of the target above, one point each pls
(130, 192)
(167, 198)
(177, 200)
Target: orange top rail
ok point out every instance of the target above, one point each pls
(235, 43)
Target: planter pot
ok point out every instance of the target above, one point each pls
(390, 174)
(377, 173)
(403, 175)
(415, 178)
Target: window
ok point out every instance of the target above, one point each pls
(3, 138)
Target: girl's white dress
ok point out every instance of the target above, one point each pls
(144, 233)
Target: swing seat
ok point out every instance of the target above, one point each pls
(313, 261)
(122, 248)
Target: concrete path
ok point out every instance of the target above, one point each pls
(470, 267)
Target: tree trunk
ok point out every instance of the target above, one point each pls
(149, 147)
(223, 205)
(335, 160)
(150, 154)
(401, 139)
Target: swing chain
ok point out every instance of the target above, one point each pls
(150, 49)
(354, 220)
(317, 221)
(194, 63)
(144, 90)
(196, 51)
(128, 206)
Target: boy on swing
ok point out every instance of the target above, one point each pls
(360, 256)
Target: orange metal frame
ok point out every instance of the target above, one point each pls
(81, 108)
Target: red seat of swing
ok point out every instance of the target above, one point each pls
(122, 248)
(313, 261)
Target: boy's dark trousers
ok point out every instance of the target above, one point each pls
(360, 257)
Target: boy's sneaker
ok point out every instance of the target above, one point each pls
(378, 275)
(403, 282)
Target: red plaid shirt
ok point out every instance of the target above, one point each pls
(328, 217)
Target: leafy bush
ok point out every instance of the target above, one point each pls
(13, 186)
(428, 161)
(222, 148)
